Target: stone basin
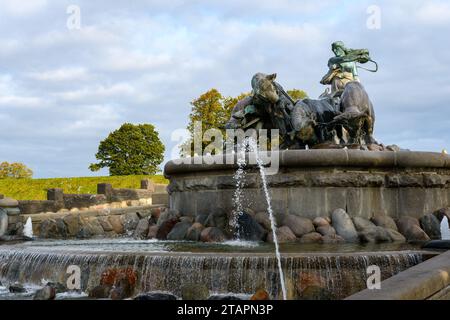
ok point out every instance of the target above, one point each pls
(313, 183)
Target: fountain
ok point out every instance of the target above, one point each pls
(321, 216)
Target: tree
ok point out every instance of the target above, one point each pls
(130, 150)
(297, 94)
(14, 170)
(213, 111)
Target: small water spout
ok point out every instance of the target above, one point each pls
(28, 228)
(254, 147)
(445, 229)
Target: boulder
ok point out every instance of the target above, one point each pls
(284, 234)
(375, 234)
(431, 225)
(155, 296)
(46, 293)
(194, 231)
(106, 225)
(130, 221)
(264, 220)
(343, 225)
(73, 224)
(395, 235)
(312, 237)
(141, 230)
(8, 203)
(17, 288)
(3, 222)
(166, 215)
(101, 291)
(165, 227)
(194, 291)
(415, 233)
(218, 219)
(95, 227)
(362, 224)
(212, 234)
(187, 219)
(320, 222)
(152, 231)
(326, 230)
(49, 229)
(441, 213)
(84, 233)
(404, 223)
(116, 224)
(332, 238)
(385, 222)
(201, 218)
(179, 231)
(298, 225)
(62, 227)
(249, 229)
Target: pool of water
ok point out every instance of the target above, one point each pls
(125, 245)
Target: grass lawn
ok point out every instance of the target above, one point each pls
(36, 189)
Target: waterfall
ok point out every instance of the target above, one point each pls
(338, 276)
(445, 229)
(28, 228)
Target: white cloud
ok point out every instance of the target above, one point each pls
(20, 102)
(62, 74)
(98, 92)
(434, 13)
(23, 7)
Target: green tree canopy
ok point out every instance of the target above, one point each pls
(130, 150)
(14, 170)
(213, 110)
(297, 94)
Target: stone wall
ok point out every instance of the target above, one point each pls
(57, 200)
(427, 280)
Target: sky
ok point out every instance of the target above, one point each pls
(65, 83)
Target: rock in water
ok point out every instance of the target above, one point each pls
(249, 229)
(395, 235)
(343, 225)
(141, 230)
(212, 234)
(312, 237)
(17, 288)
(410, 228)
(179, 231)
(46, 293)
(430, 224)
(3, 222)
(194, 231)
(284, 234)
(385, 222)
(299, 226)
(362, 224)
(165, 228)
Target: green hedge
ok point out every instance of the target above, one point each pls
(36, 189)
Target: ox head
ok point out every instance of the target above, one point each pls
(264, 88)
